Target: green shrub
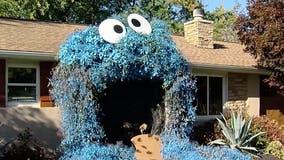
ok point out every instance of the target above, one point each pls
(271, 128)
(207, 132)
(275, 148)
(26, 147)
(237, 133)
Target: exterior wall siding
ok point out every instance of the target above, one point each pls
(253, 101)
(2, 83)
(45, 68)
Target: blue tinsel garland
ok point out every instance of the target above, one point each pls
(88, 65)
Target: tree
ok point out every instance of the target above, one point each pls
(164, 10)
(8, 8)
(93, 11)
(182, 13)
(173, 12)
(223, 29)
(81, 11)
(185, 7)
(262, 32)
(26, 9)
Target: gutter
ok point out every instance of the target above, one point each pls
(229, 68)
(45, 56)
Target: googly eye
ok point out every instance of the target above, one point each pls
(139, 24)
(112, 30)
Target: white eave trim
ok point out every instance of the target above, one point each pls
(28, 55)
(229, 68)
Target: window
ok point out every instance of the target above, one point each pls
(22, 84)
(209, 97)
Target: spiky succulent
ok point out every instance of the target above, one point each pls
(237, 133)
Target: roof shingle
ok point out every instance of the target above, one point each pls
(33, 36)
(224, 53)
(46, 37)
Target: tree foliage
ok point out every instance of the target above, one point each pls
(188, 5)
(8, 8)
(173, 12)
(81, 11)
(160, 9)
(223, 23)
(183, 12)
(262, 32)
(26, 9)
(93, 11)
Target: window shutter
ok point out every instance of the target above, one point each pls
(45, 68)
(2, 83)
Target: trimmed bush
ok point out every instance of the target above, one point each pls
(270, 127)
(207, 132)
(276, 149)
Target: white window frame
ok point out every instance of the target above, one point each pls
(19, 103)
(224, 93)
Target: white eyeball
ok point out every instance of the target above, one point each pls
(139, 24)
(112, 30)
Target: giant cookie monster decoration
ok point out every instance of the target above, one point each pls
(113, 78)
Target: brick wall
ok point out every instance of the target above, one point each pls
(45, 68)
(237, 90)
(199, 32)
(2, 82)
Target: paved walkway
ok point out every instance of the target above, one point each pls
(43, 122)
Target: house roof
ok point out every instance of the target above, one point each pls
(46, 37)
(33, 36)
(223, 54)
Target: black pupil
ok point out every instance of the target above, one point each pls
(135, 22)
(118, 29)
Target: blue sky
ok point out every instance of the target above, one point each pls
(210, 5)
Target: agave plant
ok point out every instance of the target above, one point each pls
(237, 134)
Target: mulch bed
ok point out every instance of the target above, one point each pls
(267, 157)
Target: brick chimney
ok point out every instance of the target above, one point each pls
(199, 32)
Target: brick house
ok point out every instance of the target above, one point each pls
(227, 77)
